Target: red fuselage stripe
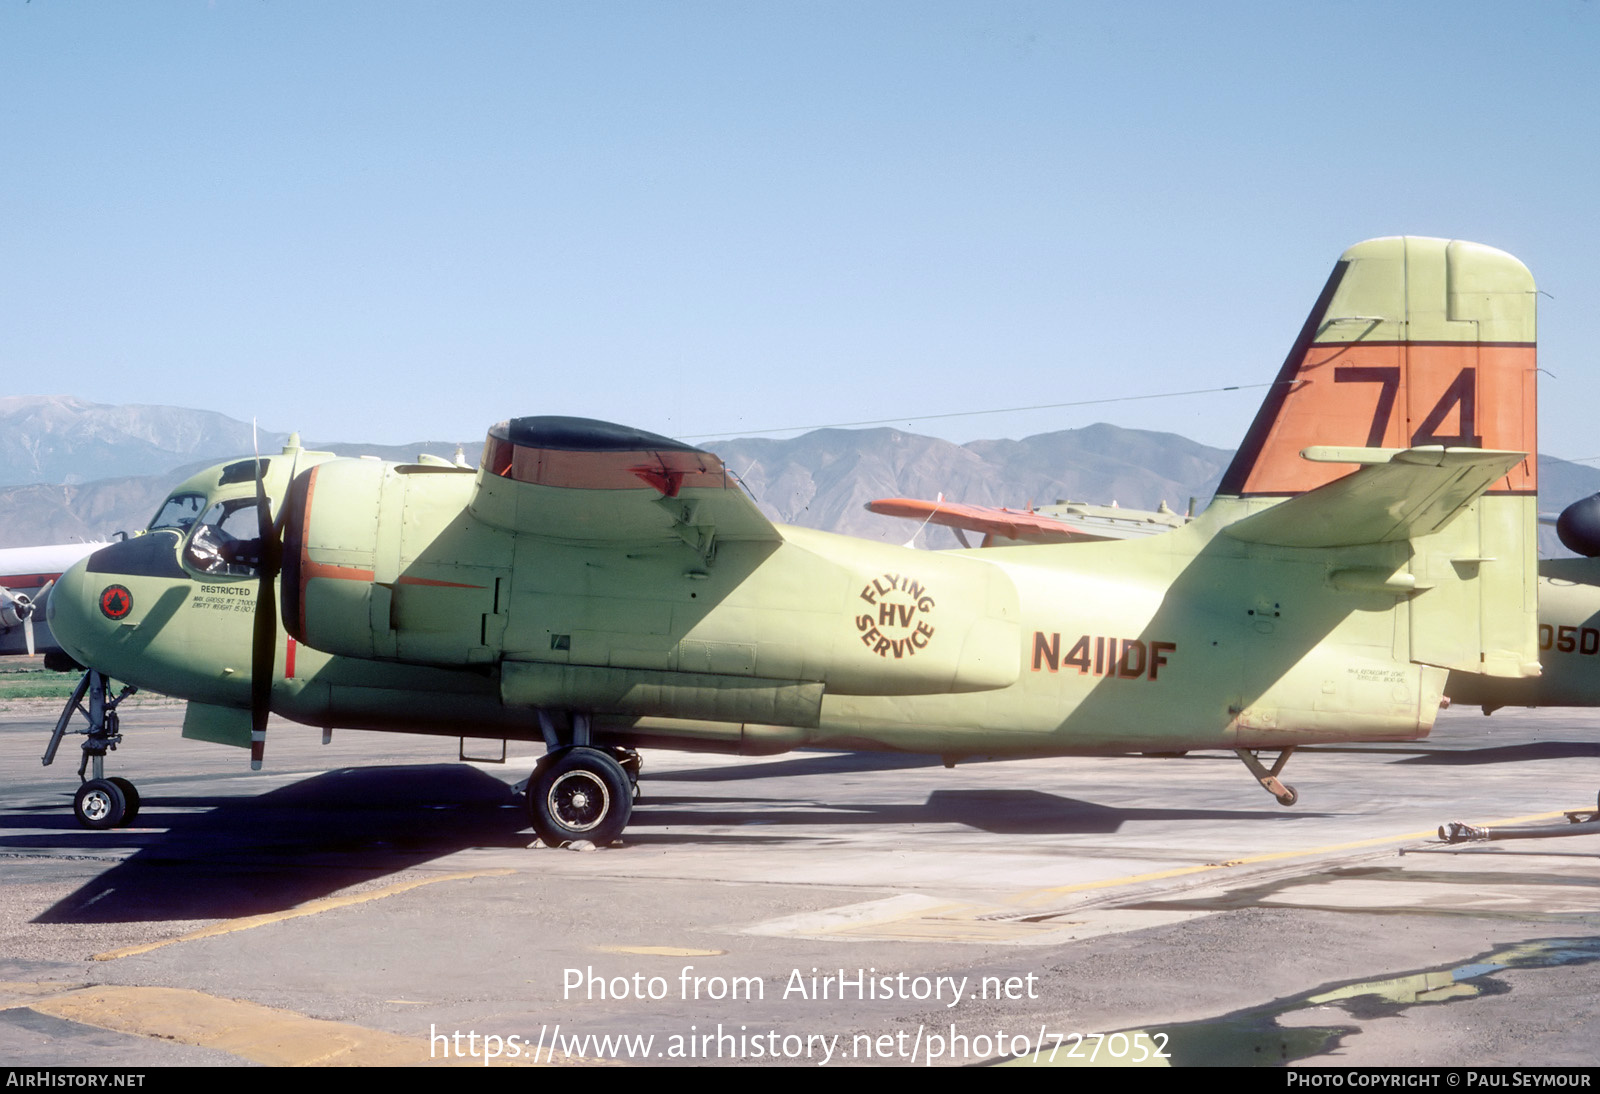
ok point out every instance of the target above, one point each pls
(26, 581)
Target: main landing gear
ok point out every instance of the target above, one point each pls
(1286, 795)
(100, 802)
(581, 791)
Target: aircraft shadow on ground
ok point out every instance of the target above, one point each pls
(1004, 812)
(267, 853)
(1507, 754)
(843, 763)
(251, 855)
(816, 763)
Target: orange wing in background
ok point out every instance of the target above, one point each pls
(991, 520)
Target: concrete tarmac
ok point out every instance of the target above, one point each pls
(376, 901)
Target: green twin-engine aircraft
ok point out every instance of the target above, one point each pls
(599, 588)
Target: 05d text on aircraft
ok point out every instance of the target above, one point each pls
(1585, 640)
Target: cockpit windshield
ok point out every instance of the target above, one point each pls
(228, 540)
(180, 512)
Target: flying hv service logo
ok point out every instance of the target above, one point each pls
(900, 622)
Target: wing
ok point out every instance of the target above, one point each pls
(379, 562)
(581, 479)
(1064, 522)
(991, 520)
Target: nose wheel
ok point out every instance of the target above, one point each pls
(106, 803)
(100, 802)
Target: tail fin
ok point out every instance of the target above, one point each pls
(1413, 342)
(1405, 413)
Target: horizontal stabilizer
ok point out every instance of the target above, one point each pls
(1413, 492)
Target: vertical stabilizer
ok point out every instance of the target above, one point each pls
(1413, 344)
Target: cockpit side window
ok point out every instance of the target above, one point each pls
(179, 511)
(227, 541)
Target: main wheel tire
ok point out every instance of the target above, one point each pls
(99, 804)
(581, 794)
(1289, 796)
(130, 794)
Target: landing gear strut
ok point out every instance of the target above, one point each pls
(100, 802)
(580, 790)
(1286, 795)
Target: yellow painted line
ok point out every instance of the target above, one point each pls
(660, 951)
(263, 1035)
(314, 907)
(14, 994)
(972, 928)
(1039, 896)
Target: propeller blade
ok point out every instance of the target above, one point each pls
(263, 646)
(264, 639)
(264, 636)
(33, 608)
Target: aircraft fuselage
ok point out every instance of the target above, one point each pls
(1188, 640)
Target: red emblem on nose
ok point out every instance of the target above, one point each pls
(116, 602)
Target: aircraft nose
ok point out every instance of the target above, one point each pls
(69, 613)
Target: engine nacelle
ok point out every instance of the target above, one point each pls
(381, 560)
(15, 608)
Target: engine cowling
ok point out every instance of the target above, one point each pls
(15, 608)
(382, 560)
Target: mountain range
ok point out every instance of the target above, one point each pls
(71, 469)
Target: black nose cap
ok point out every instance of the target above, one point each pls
(1579, 526)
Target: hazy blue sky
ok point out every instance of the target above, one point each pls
(395, 221)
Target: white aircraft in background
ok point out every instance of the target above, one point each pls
(26, 574)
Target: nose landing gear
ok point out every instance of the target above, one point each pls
(106, 803)
(100, 802)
